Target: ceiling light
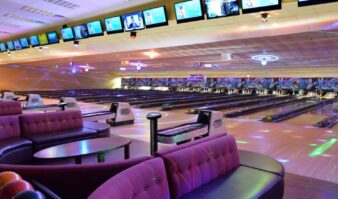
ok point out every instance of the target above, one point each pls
(138, 68)
(123, 69)
(40, 12)
(208, 65)
(20, 18)
(152, 54)
(86, 69)
(265, 58)
(63, 3)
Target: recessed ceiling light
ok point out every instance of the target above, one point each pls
(264, 58)
(152, 54)
(208, 65)
(123, 69)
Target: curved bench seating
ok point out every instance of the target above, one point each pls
(72, 181)
(10, 108)
(22, 135)
(208, 169)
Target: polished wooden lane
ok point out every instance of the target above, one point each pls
(302, 149)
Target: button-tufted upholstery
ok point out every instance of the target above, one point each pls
(192, 167)
(188, 144)
(53, 122)
(13, 148)
(9, 127)
(10, 108)
(146, 180)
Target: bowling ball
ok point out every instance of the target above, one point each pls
(29, 194)
(8, 176)
(14, 187)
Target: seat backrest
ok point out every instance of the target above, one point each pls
(9, 127)
(147, 180)
(10, 108)
(192, 167)
(188, 144)
(51, 122)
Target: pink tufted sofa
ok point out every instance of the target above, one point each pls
(10, 108)
(209, 169)
(13, 148)
(21, 135)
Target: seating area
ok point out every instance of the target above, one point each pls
(211, 167)
(170, 99)
(21, 135)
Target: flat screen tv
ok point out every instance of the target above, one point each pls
(113, 25)
(10, 45)
(155, 17)
(67, 34)
(34, 40)
(221, 8)
(249, 6)
(43, 40)
(17, 45)
(24, 43)
(3, 47)
(313, 2)
(133, 21)
(187, 11)
(53, 37)
(95, 28)
(80, 31)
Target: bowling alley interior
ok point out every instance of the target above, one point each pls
(169, 99)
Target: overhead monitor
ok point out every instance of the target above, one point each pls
(3, 47)
(67, 34)
(113, 25)
(24, 43)
(17, 45)
(221, 8)
(95, 28)
(155, 17)
(80, 31)
(34, 40)
(133, 21)
(10, 45)
(249, 6)
(187, 11)
(43, 40)
(313, 2)
(53, 37)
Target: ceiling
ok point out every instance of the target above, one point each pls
(24, 16)
(300, 37)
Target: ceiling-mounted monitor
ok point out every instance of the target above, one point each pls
(34, 40)
(24, 42)
(10, 45)
(17, 45)
(80, 31)
(155, 17)
(249, 6)
(221, 8)
(187, 11)
(113, 25)
(3, 47)
(133, 21)
(67, 34)
(94, 28)
(313, 2)
(53, 37)
(43, 40)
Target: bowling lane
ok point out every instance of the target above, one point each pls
(272, 111)
(310, 118)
